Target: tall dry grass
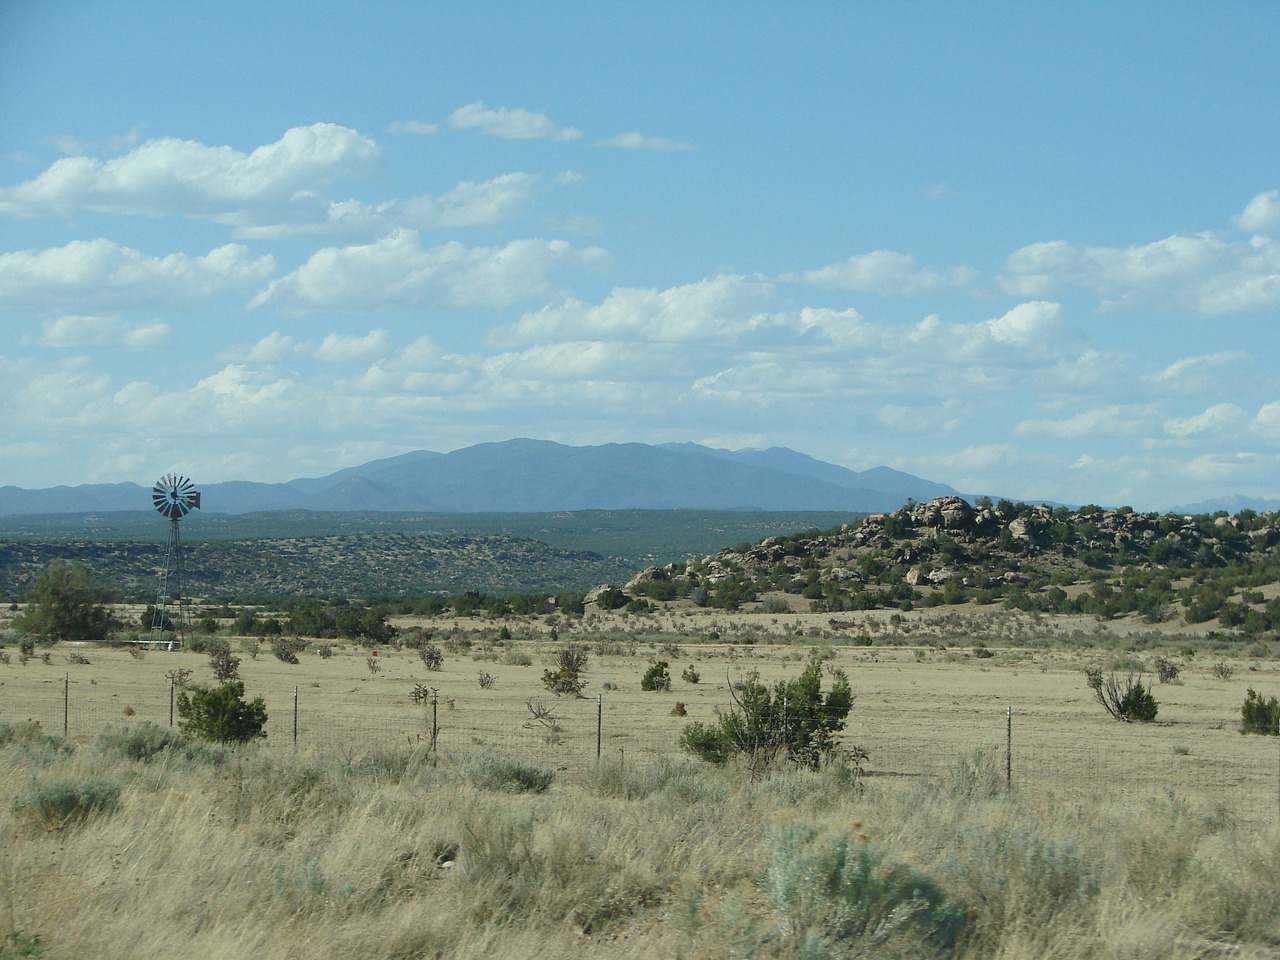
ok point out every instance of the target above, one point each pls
(264, 853)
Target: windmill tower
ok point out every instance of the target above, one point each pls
(174, 497)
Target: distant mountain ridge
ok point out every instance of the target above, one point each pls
(535, 476)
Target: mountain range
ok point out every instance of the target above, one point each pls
(534, 476)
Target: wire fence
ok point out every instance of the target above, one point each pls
(1033, 748)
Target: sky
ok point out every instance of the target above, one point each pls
(1029, 250)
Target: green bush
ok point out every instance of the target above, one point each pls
(828, 889)
(18, 945)
(286, 649)
(1260, 716)
(691, 674)
(507, 776)
(63, 803)
(656, 677)
(147, 741)
(1127, 701)
(793, 717)
(30, 738)
(221, 714)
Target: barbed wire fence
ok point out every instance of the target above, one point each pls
(1016, 747)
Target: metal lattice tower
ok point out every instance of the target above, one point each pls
(174, 497)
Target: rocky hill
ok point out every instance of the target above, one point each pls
(1104, 562)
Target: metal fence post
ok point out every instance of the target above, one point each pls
(1008, 748)
(435, 728)
(295, 715)
(66, 704)
(172, 683)
(599, 723)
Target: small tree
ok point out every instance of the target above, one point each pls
(656, 677)
(65, 604)
(1258, 715)
(221, 714)
(1130, 701)
(793, 717)
(566, 680)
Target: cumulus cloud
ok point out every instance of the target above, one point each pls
(1212, 275)
(1110, 420)
(76, 331)
(337, 347)
(99, 273)
(1199, 371)
(509, 123)
(1262, 214)
(397, 271)
(708, 309)
(638, 141)
(887, 273)
(1218, 419)
(171, 177)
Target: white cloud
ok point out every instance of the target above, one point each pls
(1267, 421)
(1262, 214)
(412, 126)
(337, 347)
(102, 274)
(638, 141)
(1115, 420)
(78, 331)
(471, 204)
(888, 273)
(1212, 275)
(1217, 419)
(902, 418)
(1027, 324)
(273, 348)
(397, 271)
(510, 124)
(1200, 371)
(171, 177)
(718, 307)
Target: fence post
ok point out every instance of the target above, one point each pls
(295, 715)
(1008, 748)
(66, 704)
(599, 722)
(172, 684)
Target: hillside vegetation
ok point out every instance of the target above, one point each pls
(1026, 557)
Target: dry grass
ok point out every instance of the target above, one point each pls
(271, 854)
(1118, 840)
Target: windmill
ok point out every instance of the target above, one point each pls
(174, 497)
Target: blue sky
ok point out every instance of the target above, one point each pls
(1024, 249)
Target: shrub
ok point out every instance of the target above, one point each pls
(656, 677)
(1223, 670)
(221, 715)
(325, 651)
(690, 674)
(1130, 702)
(146, 741)
(63, 803)
(830, 889)
(507, 776)
(432, 656)
(31, 739)
(225, 667)
(286, 649)
(1260, 716)
(1166, 670)
(486, 680)
(566, 680)
(793, 717)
